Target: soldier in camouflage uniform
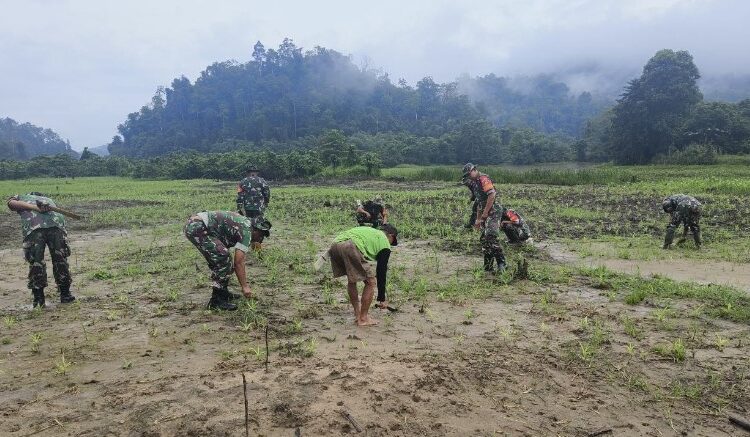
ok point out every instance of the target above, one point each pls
(514, 226)
(40, 230)
(489, 220)
(253, 194)
(372, 212)
(684, 210)
(214, 233)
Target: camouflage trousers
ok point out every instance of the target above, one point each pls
(216, 254)
(490, 236)
(33, 250)
(689, 221)
(517, 233)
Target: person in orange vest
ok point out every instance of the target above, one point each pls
(515, 227)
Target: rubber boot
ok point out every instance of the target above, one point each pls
(38, 294)
(501, 266)
(65, 295)
(233, 296)
(488, 263)
(220, 300)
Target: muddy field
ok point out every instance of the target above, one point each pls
(563, 350)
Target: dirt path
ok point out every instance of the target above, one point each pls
(703, 272)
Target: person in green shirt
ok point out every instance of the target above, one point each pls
(352, 255)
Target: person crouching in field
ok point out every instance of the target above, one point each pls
(352, 255)
(213, 233)
(372, 212)
(515, 227)
(43, 228)
(684, 210)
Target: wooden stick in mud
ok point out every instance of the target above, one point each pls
(600, 432)
(244, 391)
(32, 207)
(351, 420)
(267, 351)
(740, 421)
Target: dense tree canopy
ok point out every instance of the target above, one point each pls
(24, 140)
(661, 114)
(648, 116)
(283, 95)
(288, 98)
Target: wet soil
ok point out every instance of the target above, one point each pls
(504, 365)
(704, 272)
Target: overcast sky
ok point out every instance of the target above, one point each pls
(80, 66)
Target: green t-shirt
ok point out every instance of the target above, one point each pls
(369, 241)
(33, 220)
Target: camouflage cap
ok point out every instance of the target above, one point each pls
(468, 168)
(262, 224)
(252, 169)
(378, 200)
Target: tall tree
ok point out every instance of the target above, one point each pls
(648, 116)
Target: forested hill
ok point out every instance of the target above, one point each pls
(288, 95)
(24, 140)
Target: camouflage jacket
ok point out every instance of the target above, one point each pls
(33, 220)
(684, 206)
(482, 189)
(253, 194)
(231, 228)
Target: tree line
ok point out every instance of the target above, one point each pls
(318, 105)
(287, 97)
(333, 153)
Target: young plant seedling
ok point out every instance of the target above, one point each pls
(62, 365)
(36, 340)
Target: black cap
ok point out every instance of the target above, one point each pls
(390, 229)
(252, 169)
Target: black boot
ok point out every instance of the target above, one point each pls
(233, 296)
(489, 260)
(65, 296)
(220, 300)
(38, 297)
(501, 266)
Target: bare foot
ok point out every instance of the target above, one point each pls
(367, 322)
(382, 305)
